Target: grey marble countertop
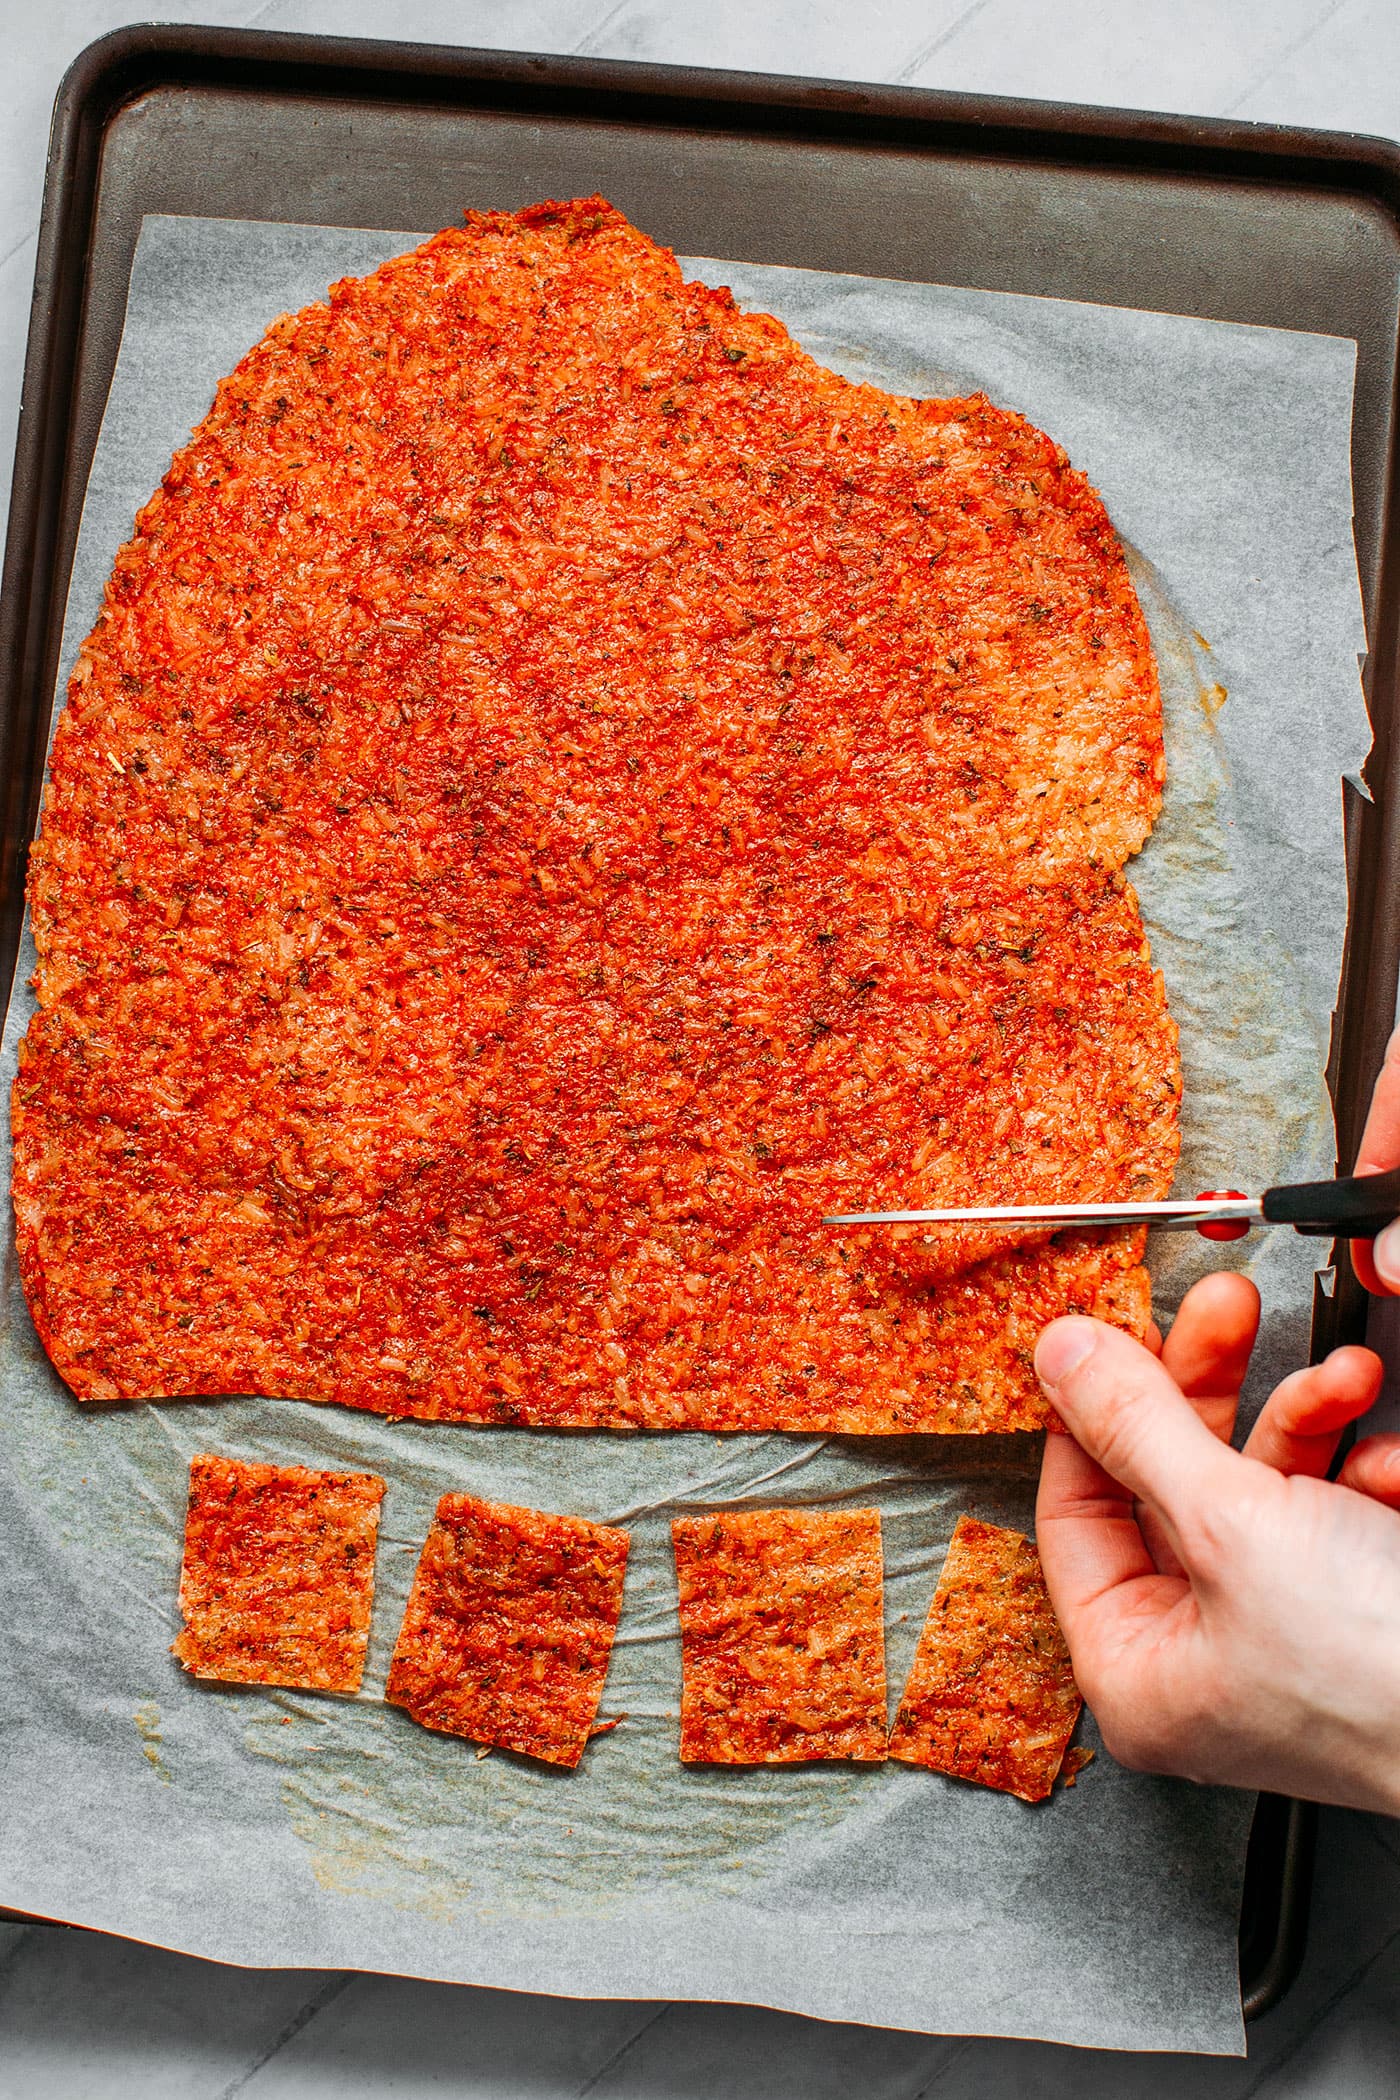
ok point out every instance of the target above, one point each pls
(84, 2015)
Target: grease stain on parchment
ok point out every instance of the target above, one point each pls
(147, 1720)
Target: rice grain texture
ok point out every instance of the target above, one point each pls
(991, 1696)
(277, 1579)
(509, 1627)
(782, 1636)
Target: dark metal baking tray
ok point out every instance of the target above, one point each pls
(1293, 229)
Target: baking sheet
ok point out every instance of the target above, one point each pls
(282, 1828)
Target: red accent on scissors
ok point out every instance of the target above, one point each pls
(1223, 1228)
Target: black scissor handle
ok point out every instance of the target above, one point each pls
(1356, 1208)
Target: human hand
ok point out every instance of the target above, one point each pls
(1233, 1617)
(1377, 1262)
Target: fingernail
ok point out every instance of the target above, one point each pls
(1063, 1347)
(1385, 1252)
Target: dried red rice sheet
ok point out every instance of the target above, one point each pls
(991, 1696)
(509, 1627)
(562, 793)
(782, 1636)
(278, 1574)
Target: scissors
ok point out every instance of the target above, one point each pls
(1356, 1207)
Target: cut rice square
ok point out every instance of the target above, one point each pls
(991, 1696)
(509, 1627)
(782, 1636)
(278, 1574)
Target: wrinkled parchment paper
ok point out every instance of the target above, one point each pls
(281, 1828)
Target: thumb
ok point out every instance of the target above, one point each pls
(1123, 1408)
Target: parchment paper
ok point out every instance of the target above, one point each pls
(280, 1828)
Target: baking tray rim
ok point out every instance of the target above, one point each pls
(385, 69)
(128, 62)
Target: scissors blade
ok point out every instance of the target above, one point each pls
(1162, 1215)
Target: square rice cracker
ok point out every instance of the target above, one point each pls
(278, 1574)
(782, 1636)
(991, 1696)
(509, 1627)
